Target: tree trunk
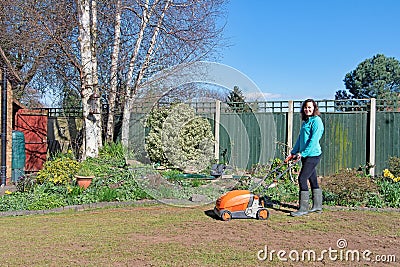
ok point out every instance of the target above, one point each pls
(132, 90)
(114, 74)
(126, 116)
(92, 120)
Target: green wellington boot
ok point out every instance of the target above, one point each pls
(303, 205)
(317, 200)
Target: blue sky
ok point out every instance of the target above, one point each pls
(296, 49)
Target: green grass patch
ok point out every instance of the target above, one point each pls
(162, 235)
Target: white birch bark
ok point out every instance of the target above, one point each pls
(95, 81)
(92, 126)
(114, 72)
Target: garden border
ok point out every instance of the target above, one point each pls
(116, 204)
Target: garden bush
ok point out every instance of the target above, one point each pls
(394, 166)
(178, 138)
(348, 187)
(153, 144)
(59, 170)
(389, 191)
(353, 187)
(54, 186)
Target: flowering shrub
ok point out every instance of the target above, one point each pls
(179, 138)
(393, 172)
(349, 187)
(388, 174)
(59, 170)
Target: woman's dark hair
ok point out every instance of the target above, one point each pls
(316, 110)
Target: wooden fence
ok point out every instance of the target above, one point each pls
(357, 132)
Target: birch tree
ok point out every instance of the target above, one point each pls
(114, 73)
(87, 15)
(132, 85)
(65, 44)
(170, 33)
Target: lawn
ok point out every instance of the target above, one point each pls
(166, 235)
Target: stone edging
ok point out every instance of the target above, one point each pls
(76, 208)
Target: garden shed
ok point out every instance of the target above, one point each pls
(17, 120)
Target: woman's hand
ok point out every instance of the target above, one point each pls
(288, 158)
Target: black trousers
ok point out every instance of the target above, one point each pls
(308, 173)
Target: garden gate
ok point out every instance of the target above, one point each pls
(33, 123)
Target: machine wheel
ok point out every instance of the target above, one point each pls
(226, 215)
(262, 214)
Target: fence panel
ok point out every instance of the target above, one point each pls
(257, 137)
(247, 138)
(344, 143)
(137, 135)
(253, 135)
(387, 138)
(281, 148)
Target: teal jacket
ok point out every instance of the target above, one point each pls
(307, 143)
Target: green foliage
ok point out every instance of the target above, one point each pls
(172, 174)
(111, 160)
(390, 192)
(114, 182)
(115, 152)
(71, 98)
(15, 201)
(376, 77)
(261, 170)
(348, 187)
(179, 138)
(236, 101)
(59, 170)
(285, 191)
(42, 197)
(44, 201)
(86, 168)
(153, 144)
(375, 200)
(107, 194)
(352, 187)
(394, 166)
(26, 183)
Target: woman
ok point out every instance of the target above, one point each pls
(308, 149)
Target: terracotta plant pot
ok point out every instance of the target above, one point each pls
(84, 181)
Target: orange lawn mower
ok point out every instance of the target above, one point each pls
(242, 204)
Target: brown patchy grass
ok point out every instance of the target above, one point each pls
(162, 235)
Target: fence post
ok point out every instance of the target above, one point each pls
(289, 125)
(372, 129)
(216, 128)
